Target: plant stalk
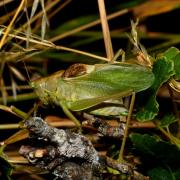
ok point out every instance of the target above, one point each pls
(120, 158)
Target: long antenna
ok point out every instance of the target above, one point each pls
(27, 71)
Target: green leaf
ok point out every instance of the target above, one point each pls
(113, 171)
(171, 53)
(153, 147)
(167, 120)
(177, 66)
(160, 159)
(163, 69)
(5, 169)
(160, 173)
(177, 174)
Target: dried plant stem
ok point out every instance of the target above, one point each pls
(6, 108)
(9, 126)
(136, 124)
(173, 139)
(5, 2)
(120, 158)
(33, 19)
(11, 23)
(18, 136)
(20, 97)
(81, 52)
(105, 29)
(6, 16)
(51, 45)
(19, 112)
(67, 124)
(61, 122)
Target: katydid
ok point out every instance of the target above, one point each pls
(84, 86)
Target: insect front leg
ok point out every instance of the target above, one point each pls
(69, 114)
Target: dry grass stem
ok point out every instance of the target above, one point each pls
(11, 23)
(53, 46)
(105, 29)
(5, 2)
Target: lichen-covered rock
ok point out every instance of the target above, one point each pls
(68, 155)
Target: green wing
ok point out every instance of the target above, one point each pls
(117, 77)
(87, 103)
(107, 81)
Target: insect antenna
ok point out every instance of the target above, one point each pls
(25, 67)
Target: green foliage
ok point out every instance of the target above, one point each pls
(165, 66)
(170, 53)
(163, 69)
(156, 148)
(160, 173)
(167, 120)
(177, 66)
(162, 158)
(5, 169)
(173, 54)
(177, 174)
